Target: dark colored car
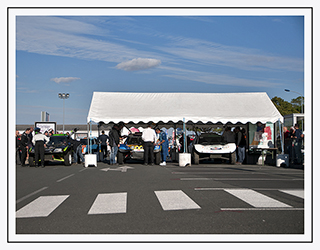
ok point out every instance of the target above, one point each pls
(58, 149)
(133, 149)
(212, 146)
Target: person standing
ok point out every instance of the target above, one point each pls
(241, 145)
(24, 146)
(298, 136)
(149, 137)
(287, 140)
(292, 136)
(163, 143)
(40, 141)
(77, 149)
(229, 136)
(18, 152)
(114, 140)
(30, 144)
(103, 138)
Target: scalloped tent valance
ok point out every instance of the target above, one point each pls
(115, 107)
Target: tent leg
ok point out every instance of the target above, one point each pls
(184, 136)
(88, 136)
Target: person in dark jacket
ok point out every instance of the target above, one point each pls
(298, 137)
(114, 140)
(24, 146)
(241, 144)
(103, 138)
(77, 150)
(18, 152)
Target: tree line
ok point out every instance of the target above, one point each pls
(285, 108)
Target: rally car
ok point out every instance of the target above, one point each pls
(212, 146)
(58, 149)
(133, 149)
(94, 146)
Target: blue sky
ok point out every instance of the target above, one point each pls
(82, 54)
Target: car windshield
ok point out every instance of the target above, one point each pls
(84, 141)
(206, 139)
(134, 139)
(57, 141)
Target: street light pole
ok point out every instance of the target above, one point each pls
(63, 96)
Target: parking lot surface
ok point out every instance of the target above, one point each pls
(134, 199)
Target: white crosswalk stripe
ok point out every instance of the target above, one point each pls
(116, 203)
(298, 193)
(175, 200)
(255, 199)
(41, 207)
(113, 203)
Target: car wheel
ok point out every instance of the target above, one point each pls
(68, 159)
(196, 158)
(120, 158)
(233, 158)
(157, 158)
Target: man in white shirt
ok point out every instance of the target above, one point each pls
(149, 137)
(39, 140)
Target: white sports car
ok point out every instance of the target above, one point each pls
(211, 146)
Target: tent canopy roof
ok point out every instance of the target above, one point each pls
(114, 107)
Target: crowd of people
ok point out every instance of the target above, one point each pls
(150, 137)
(27, 140)
(38, 141)
(293, 139)
(237, 136)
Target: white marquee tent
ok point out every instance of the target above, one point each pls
(114, 107)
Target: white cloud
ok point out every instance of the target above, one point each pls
(209, 53)
(64, 79)
(139, 64)
(64, 37)
(38, 35)
(217, 79)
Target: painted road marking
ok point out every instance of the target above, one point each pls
(238, 179)
(235, 173)
(175, 200)
(65, 177)
(262, 209)
(122, 169)
(114, 203)
(29, 195)
(255, 199)
(299, 193)
(41, 207)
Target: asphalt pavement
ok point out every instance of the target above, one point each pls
(133, 199)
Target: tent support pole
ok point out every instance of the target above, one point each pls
(88, 135)
(174, 138)
(281, 136)
(185, 136)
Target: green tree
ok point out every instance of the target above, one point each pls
(286, 108)
(298, 103)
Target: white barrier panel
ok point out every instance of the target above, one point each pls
(184, 159)
(90, 159)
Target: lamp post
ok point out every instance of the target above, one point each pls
(63, 96)
(288, 90)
